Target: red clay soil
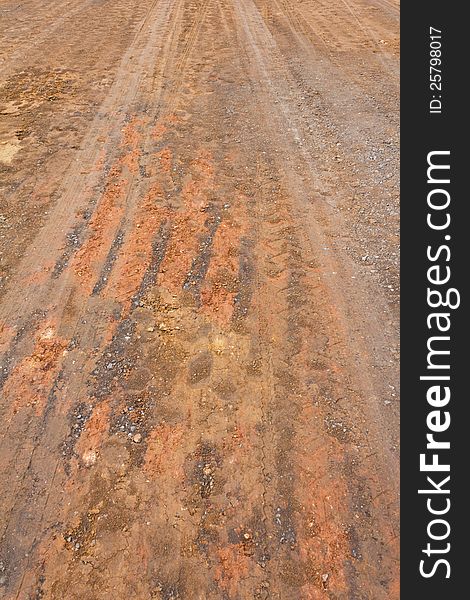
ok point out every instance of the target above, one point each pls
(198, 306)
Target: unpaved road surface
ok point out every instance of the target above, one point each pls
(198, 307)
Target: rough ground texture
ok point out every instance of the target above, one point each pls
(198, 317)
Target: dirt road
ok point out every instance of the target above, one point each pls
(198, 311)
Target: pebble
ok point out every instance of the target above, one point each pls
(89, 458)
(137, 438)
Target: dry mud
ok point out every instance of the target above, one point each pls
(198, 305)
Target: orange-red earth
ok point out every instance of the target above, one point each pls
(198, 305)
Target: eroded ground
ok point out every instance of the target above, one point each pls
(198, 309)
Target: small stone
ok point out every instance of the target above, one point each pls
(137, 438)
(89, 458)
(324, 577)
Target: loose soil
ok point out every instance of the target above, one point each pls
(198, 303)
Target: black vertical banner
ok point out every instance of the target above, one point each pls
(434, 274)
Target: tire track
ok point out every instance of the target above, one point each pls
(110, 119)
(193, 418)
